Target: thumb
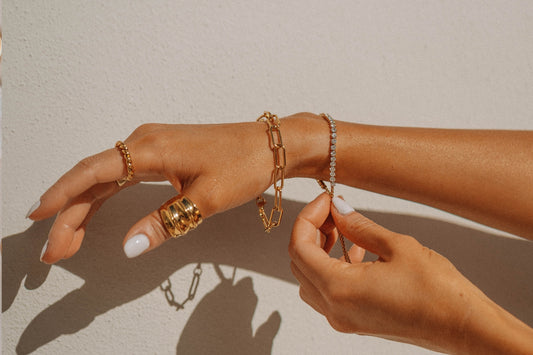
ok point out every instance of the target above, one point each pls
(150, 232)
(362, 231)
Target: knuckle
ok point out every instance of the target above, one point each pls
(301, 293)
(407, 239)
(159, 232)
(359, 224)
(145, 128)
(89, 165)
(150, 138)
(292, 248)
(429, 253)
(88, 162)
(338, 323)
(399, 240)
(293, 269)
(56, 189)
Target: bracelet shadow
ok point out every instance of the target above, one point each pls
(499, 266)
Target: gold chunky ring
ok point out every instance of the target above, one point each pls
(127, 160)
(180, 215)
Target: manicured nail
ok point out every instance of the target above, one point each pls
(33, 208)
(136, 245)
(341, 206)
(45, 246)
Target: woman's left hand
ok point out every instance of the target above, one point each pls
(217, 167)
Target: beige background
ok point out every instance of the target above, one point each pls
(78, 75)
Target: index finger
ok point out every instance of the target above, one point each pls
(313, 261)
(104, 167)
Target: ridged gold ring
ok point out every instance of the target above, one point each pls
(180, 215)
(127, 160)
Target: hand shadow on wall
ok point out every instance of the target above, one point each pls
(220, 329)
(501, 267)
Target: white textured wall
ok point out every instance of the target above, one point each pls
(78, 75)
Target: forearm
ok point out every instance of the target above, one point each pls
(490, 329)
(483, 175)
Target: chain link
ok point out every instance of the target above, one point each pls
(278, 174)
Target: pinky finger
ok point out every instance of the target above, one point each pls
(308, 292)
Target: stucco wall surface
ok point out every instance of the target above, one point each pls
(79, 75)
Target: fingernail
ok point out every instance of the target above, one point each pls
(136, 245)
(45, 246)
(33, 208)
(341, 206)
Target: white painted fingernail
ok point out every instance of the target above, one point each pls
(136, 245)
(33, 208)
(342, 206)
(45, 246)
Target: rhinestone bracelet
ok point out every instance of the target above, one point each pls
(332, 156)
(332, 171)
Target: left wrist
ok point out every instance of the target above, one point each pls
(306, 138)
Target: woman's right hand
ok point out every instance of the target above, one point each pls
(218, 167)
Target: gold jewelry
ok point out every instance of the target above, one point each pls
(127, 160)
(332, 171)
(278, 174)
(180, 215)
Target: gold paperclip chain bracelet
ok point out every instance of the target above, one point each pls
(278, 174)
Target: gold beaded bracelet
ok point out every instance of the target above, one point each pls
(278, 174)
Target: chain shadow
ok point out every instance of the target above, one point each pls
(233, 238)
(225, 314)
(501, 267)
